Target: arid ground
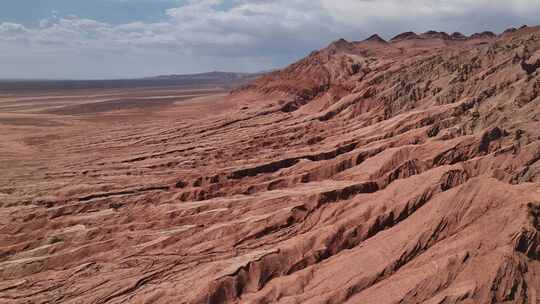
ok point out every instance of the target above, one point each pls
(401, 171)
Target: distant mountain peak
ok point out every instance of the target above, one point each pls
(375, 38)
(458, 36)
(435, 35)
(405, 36)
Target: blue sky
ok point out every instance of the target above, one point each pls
(106, 10)
(133, 38)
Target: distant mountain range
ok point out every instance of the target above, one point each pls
(203, 80)
(215, 77)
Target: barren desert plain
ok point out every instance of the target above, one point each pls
(401, 171)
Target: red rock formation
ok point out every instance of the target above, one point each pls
(403, 172)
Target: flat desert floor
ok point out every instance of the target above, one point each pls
(40, 127)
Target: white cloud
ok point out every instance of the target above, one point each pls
(258, 32)
(10, 30)
(197, 27)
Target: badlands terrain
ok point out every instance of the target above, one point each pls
(401, 171)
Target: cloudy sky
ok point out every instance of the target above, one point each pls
(132, 38)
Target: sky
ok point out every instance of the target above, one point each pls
(102, 39)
